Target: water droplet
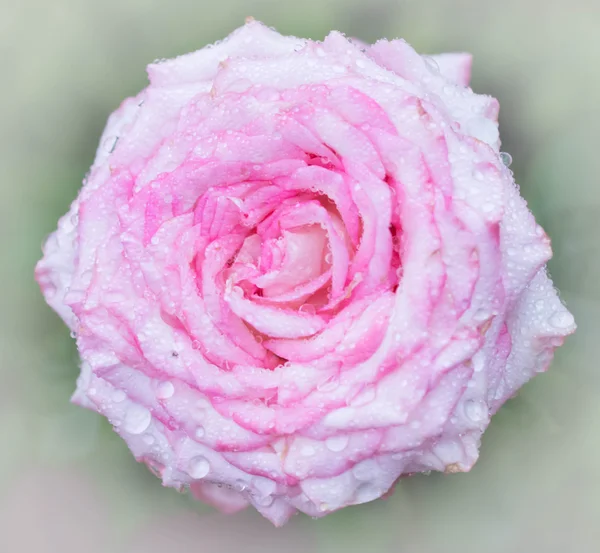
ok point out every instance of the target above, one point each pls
(119, 396)
(148, 439)
(307, 450)
(240, 485)
(329, 258)
(364, 470)
(475, 410)
(562, 319)
(431, 64)
(307, 309)
(110, 144)
(92, 392)
(265, 501)
(328, 385)
(506, 158)
(199, 467)
(367, 492)
(165, 390)
(336, 443)
(539, 305)
(364, 397)
(137, 419)
(199, 433)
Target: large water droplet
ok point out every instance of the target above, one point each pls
(367, 492)
(364, 470)
(307, 309)
(265, 501)
(199, 433)
(431, 64)
(307, 450)
(240, 485)
(475, 410)
(336, 443)
(110, 144)
(364, 397)
(562, 319)
(165, 390)
(199, 467)
(118, 396)
(506, 158)
(328, 385)
(137, 419)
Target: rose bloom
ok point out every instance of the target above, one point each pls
(299, 270)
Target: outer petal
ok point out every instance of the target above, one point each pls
(456, 67)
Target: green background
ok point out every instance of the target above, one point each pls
(68, 483)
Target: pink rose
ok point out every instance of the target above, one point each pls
(299, 270)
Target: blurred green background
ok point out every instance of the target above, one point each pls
(68, 483)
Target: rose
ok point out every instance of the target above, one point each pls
(300, 270)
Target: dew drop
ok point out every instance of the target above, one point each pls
(364, 397)
(506, 158)
(137, 419)
(307, 309)
(240, 485)
(336, 443)
(148, 439)
(475, 410)
(328, 385)
(431, 64)
(110, 144)
(562, 319)
(199, 433)
(199, 467)
(265, 501)
(119, 396)
(367, 492)
(364, 471)
(165, 390)
(307, 451)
